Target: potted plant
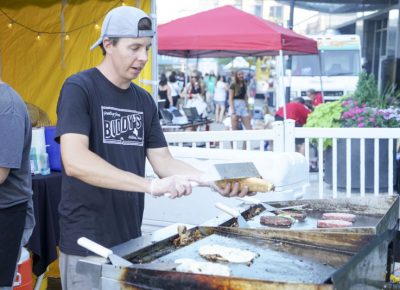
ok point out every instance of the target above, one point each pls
(366, 108)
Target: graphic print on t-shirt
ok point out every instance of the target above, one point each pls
(122, 126)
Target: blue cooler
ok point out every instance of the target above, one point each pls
(52, 148)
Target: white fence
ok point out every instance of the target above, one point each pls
(283, 137)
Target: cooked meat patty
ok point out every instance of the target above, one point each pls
(339, 216)
(296, 214)
(276, 221)
(333, 224)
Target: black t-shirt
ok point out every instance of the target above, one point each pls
(242, 92)
(121, 125)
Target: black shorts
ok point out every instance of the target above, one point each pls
(12, 223)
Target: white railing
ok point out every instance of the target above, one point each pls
(252, 139)
(283, 137)
(349, 134)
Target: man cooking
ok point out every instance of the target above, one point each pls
(107, 126)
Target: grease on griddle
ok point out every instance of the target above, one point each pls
(185, 238)
(252, 212)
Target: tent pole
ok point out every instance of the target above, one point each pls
(282, 87)
(185, 82)
(320, 76)
(289, 61)
(154, 54)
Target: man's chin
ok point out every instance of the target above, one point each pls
(132, 76)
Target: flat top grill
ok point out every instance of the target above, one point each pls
(373, 214)
(294, 265)
(313, 216)
(279, 260)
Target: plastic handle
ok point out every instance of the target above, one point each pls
(192, 184)
(232, 212)
(249, 199)
(94, 247)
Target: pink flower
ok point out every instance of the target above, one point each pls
(372, 120)
(361, 125)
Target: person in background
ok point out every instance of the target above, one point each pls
(16, 205)
(210, 81)
(268, 117)
(295, 110)
(221, 89)
(180, 80)
(107, 126)
(174, 87)
(238, 102)
(315, 97)
(164, 91)
(195, 88)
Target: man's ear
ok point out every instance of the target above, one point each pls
(107, 44)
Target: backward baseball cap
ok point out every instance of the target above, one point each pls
(123, 22)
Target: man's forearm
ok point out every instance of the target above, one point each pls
(92, 169)
(178, 167)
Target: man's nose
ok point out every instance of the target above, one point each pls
(143, 54)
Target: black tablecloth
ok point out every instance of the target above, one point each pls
(45, 236)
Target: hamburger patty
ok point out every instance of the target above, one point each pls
(276, 221)
(339, 216)
(333, 224)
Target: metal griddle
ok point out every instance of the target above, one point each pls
(373, 214)
(276, 261)
(312, 259)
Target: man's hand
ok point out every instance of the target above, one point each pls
(233, 190)
(174, 186)
(229, 189)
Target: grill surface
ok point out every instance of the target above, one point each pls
(277, 261)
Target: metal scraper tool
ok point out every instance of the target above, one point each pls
(104, 252)
(118, 260)
(234, 213)
(267, 206)
(237, 170)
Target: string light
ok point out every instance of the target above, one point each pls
(65, 34)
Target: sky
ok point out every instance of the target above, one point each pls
(168, 10)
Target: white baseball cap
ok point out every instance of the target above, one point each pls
(123, 21)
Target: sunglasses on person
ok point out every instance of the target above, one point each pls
(194, 77)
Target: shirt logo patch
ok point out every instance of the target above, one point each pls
(121, 126)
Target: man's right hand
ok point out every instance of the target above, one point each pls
(175, 186)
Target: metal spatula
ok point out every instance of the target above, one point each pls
(104, 252)
(237, 170)
(268, 207)
(119, 261)
(234, 213)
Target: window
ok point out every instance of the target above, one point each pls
(276, 11)
(333, 63)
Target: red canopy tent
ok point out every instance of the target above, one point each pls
(226, 32)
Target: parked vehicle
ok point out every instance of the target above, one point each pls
(337, 66)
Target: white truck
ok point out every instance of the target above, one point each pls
(337, 67)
